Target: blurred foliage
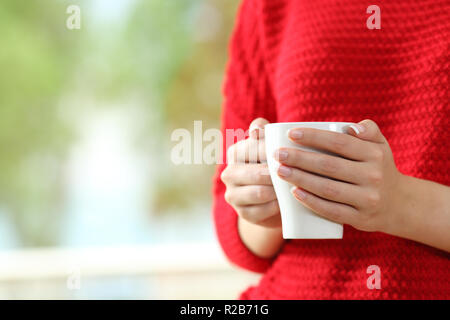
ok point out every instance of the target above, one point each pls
(168, 54)
(195, 94)
(35, 59)
(174, 58)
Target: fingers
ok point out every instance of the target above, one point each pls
(337, 212)
(341, 144)
(251, 150)
(323, 164)
(257, 128)
(250, 195)
(247, 151)
(249, 187)
(325, 188)
(246, 174)
(367, 130)
(260, 213)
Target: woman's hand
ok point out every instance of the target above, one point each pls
(249, 187)
(251, 194)
(362, 187)
(359, 186)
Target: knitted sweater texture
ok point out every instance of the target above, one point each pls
(299, 60)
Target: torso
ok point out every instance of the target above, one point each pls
(324, 64)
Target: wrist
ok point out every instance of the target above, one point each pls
(398, 213)
(414, 201)
(262, 241)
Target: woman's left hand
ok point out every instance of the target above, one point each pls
(359, 186)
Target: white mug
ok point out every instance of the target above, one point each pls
(298, 221)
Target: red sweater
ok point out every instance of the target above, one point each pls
(299, 60)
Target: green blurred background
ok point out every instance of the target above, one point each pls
(158, 63)
(86, 117)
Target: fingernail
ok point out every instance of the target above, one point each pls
(284, 171)
(299, 193)
(281, 155)
(358, 128)
(295, 134)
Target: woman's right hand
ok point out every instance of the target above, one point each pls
(249, 189)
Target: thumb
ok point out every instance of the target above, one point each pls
(256, 130)
(367, 130)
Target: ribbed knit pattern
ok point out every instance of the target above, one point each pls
(299, 60)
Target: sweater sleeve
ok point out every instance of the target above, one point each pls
(248, 96)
